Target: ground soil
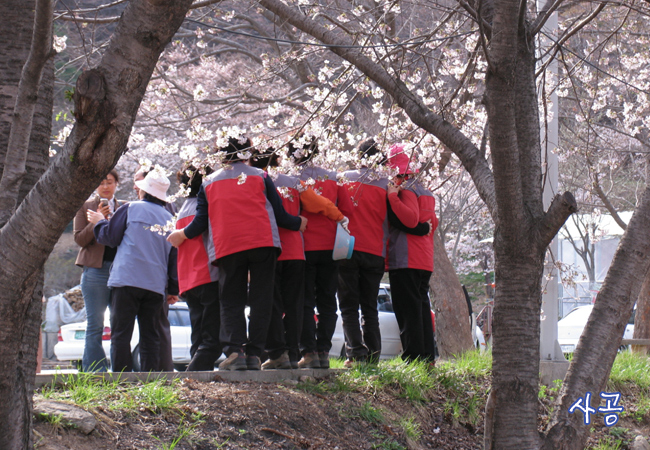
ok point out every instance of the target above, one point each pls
(266, 416)
(292, 415)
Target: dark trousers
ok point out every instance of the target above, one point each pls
(320, 292)
(234, 296)
(165, 361)
(129, 303)
(359, 279)
(205, 318)
(409, 290)
(288, 304)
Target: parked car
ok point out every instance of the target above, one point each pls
(72, 338)
(570, 328)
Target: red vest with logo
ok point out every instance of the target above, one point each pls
(369, 224)
(240, 216)
(293, 246)
(407, 251)
(194, 267)
(321, 231)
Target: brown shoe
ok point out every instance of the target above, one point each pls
(309, 361)
(279, 363)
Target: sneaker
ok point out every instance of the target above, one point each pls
(279, 363)
(324, 358)
(253, 362)
(294, 364)
(235, 361)
(309, 361)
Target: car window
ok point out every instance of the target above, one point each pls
(183, 317)
(174, 320)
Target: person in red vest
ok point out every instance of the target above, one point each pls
(410, 257)
(282, 343)
(321, 272)
(198, 279)
(240, 208)
(360, 276)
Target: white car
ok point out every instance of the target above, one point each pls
(570, 328)
(72, 338)
(391, 345)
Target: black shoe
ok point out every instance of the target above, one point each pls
(234, 361)
(253, 363)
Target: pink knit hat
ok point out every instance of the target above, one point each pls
(398, 159)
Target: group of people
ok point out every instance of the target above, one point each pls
(245, 238)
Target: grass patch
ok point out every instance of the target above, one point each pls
(630, 368)
(89, 390)
(411, 428)
(371, 414)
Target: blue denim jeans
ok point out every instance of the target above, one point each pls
(97, 296)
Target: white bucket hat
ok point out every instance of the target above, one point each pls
(155, 184)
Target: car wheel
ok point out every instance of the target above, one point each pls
(180, 367)
(136, 358)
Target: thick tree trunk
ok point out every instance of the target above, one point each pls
(642, 318)
(16, 41)
(107, 99)
(596, 351)
(453, 333)
(511, 422)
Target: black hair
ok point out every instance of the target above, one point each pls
(309, 151)
(150, 198)
(195, 179)
(233, 147)
(369, 148)
(265, 159)
(115, 175)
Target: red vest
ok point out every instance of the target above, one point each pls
(240, 216)
(407, 251)
(369, 224)
(293, 246)
(194, 268)
(321, 231)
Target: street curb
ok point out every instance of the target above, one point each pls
(259, 376)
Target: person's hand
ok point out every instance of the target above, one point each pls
(303, 223)
(177, 238)
(392, 189)
(104, 210)
(430, 227)
(94, 216)
(171, 299)
(344, 223)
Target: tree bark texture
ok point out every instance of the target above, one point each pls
(642, 317)
(453, 333)
(17, 149)
(596, 350)
(104, 119)
(15, 41)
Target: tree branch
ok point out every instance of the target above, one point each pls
(419, 114)
(561, 208)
